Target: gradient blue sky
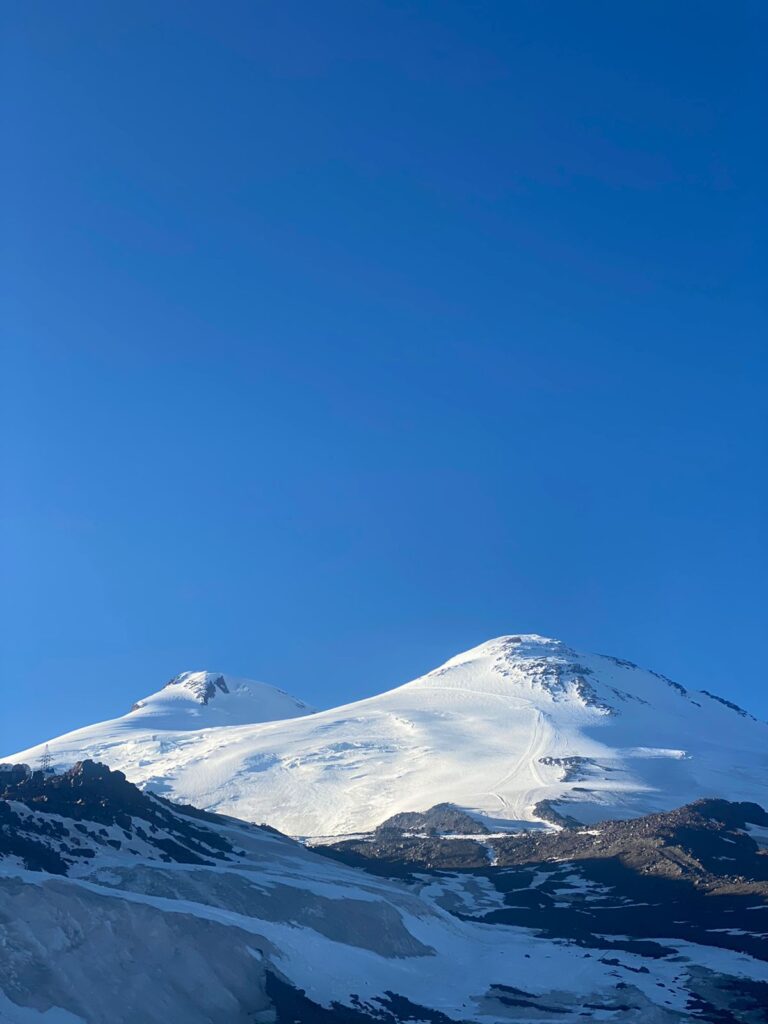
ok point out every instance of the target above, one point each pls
(346, 335)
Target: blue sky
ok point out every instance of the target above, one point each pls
(344, 336)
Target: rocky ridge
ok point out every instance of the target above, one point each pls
(104, 888)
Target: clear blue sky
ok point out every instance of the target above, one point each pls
(343, 336)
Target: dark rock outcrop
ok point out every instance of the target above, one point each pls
(705, 843)
(112, 811)
(12, 774)
(693, 873)
(440, 820)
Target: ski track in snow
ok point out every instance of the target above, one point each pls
(524, 801)
(472, 732)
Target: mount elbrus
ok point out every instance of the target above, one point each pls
(519, 732)
(524, 834)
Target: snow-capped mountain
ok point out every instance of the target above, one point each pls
(118, 907)
(518, 731)
(205, 700)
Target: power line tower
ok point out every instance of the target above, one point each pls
(46, 760)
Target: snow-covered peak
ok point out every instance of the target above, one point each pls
(545, 670)
(190, 706)
(202, 685)
(520, 730)
(518, 646)
(195, 700)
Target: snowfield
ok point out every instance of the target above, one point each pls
(151, 913)
(515, 731)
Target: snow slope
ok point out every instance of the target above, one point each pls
(497, 730)
(204, 700)
(160, 915)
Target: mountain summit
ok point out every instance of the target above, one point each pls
(521, 731)
(198, 700)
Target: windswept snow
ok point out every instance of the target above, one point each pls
(497, 730)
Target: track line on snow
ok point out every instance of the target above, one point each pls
(527, 758)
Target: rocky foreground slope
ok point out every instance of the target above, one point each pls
(520, 731)
(117, 906)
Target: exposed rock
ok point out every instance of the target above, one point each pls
(91, 792)
(440, 820)
(729, 704)
(574, 768)
(11, 774)
(693, 874)
(546, 811)
(705, 843)
(202, 685)
(613, 898)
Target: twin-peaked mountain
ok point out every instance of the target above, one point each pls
(518, 731)
(119, 905)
